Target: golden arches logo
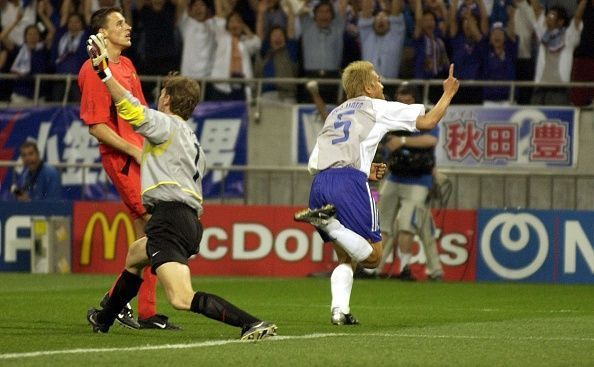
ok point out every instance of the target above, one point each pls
(110, 233)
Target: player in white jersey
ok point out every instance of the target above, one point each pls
(172, 168)
(340, 204)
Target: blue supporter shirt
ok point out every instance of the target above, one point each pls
(468, 56)
(44, 184)
(496, 68)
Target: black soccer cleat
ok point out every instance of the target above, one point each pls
(340, 318)
(317, 217)
(92, 319)
(125, 317)
(258, 330)
(158, 321)
(406, 275)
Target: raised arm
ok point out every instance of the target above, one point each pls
(396, 7)
(511, 23)
(579, 14)
(43, 11)
(261, 17)
(483, 17)
(366, 9)
(452, 21)
(418, 8)
(450, 87)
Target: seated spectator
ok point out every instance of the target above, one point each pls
(236, 44)
(31, 58)
(555, 54)
(382, 38)
(322, 45)
(583, 63)
(38, 181)
(278, 56)
(68, 54)
(197, 29)
(431, 59)
(469, 45)
(500, 60)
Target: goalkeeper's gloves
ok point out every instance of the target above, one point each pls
(97, 50)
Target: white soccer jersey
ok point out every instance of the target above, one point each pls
(353, 130)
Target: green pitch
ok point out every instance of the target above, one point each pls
(42, 323)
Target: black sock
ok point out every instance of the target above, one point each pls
(125, 289)
(216, 308)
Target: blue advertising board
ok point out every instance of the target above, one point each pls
(536, 246)
(15, 230)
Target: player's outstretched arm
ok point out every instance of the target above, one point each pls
(129, 108)
(450, 87)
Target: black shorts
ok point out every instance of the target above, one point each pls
(173, 232)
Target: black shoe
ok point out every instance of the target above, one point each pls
(316, 217)
(157, 321)
(339, 318)
(258, 330)
(92, 319)
(361, 273)
(406, 275)
(435, 278)
(125, 317)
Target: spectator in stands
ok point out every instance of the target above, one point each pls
(524, 29)
(499, 11)
(583, 64)
(557, 40)
(469, 45)
(382, 38)
(69, 53)
(38, 180)
(162, 48)
(279, 55)
(322, 44)
(500, 60)
(274, 15)
(197, 29)
(439, 9)
(351, 48)
(10, 10)
(431, 59)
(236, 44)
(32, 57)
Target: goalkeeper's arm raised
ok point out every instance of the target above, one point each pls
(129, 108)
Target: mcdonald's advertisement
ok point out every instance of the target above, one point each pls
(250, 240)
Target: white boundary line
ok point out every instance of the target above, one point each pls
(280, 338)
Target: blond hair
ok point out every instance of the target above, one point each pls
(355, 77)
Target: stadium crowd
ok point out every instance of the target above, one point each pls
(546, 41)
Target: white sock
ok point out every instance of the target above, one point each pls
(341, 284)
(404, 260)
(354, 245)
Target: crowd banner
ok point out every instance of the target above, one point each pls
(16, 232)
(536, 246)
(510, 137)
(63, 138)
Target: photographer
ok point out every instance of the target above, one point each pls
(38, 181)
(404, 206)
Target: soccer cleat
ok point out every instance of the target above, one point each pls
(125, 317)
(316, 217)
(406, 275)
(258, 330)
(158, 321)
(340, 318)
(92, 319)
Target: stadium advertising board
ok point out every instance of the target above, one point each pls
(247, 240)
(15, 230)
(521, 137)
(63, 138)
(536, 246)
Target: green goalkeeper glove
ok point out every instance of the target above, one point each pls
(97, 50)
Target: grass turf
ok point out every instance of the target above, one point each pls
(42, 323)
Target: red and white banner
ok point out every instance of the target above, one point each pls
(248, 240)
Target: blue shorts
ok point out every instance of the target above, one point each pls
(347, 189)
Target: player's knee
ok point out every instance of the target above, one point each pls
(373, 260)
